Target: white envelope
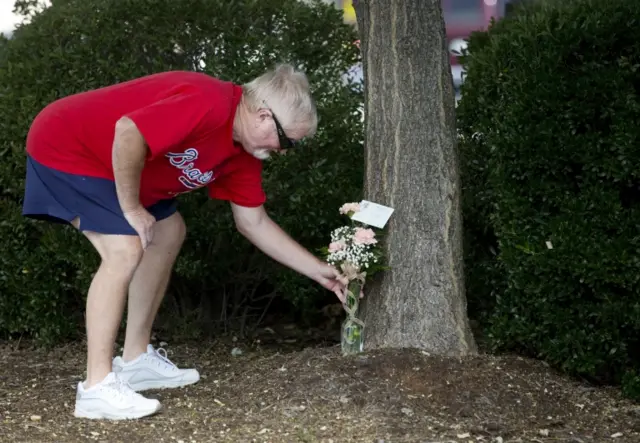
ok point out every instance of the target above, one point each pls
(373, 214)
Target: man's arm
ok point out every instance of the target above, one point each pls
(259, 229)
(128, 156)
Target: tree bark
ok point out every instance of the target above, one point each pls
(412, 166)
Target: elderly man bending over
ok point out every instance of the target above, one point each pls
(111, 162)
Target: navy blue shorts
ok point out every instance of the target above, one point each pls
(60, 197)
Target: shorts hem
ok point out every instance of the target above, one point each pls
(45, 216)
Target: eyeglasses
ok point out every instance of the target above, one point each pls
(285, 142)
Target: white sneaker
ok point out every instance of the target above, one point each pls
(153, 370)
(113, 399)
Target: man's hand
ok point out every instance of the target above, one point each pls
(142, 221)
(330, 278)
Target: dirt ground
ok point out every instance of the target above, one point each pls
(313, 394)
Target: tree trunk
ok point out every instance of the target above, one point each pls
(412, 166)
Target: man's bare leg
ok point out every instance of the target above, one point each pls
(103, 395)
(120, 256)
(149, 283)
(146, 368)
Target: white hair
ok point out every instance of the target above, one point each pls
(286, 92)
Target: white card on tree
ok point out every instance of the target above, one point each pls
(373, 214)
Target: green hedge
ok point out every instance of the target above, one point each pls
(76, 45)
(549, 137)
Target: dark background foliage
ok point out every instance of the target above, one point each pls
(549, 139)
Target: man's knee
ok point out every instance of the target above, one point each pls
(121, 254)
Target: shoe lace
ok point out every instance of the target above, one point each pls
(162, 359)
(120, 389)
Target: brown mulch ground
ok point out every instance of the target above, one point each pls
(316, 395)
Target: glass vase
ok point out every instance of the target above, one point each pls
(352, 332)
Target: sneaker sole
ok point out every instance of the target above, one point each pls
(95, 415)
(156, 384)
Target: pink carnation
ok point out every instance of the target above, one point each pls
(349, 207)
(336, 246)
(364, 237)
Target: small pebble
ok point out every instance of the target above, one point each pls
(407, 411)
(236, 352)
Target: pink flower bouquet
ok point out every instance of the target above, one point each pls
(355, 250)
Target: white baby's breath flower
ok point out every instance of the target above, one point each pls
(358, 254)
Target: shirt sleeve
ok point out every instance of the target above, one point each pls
(171, 121)
(240, 182)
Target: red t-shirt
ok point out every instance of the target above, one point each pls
(186, 119)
